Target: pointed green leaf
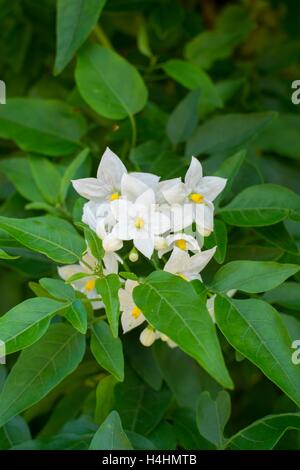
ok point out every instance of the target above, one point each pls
(108, 288)
(46, 235)
(108, 83)
(76, 314)
(212, 416)
(261, 205)
(110, 435)
(40, 368)
(173, 307)
(75, 21)
(252, 276)
(256, 330)
(264, 433)
(107, 350)
(24, 324)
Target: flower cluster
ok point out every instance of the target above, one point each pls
(165, 221)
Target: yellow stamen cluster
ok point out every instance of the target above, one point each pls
(181, 244)
(90, 285)
(136, 312)
(197, 198)
(139, 223)
(114, 196)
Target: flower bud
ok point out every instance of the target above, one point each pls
(133, 255)
(148, 336)
(111, 243)
(160, 243)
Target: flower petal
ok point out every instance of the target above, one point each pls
(193, 175)
(145, 246)
(129, 322)
(201, 259)
(111, 170)
(90, 188)
(178, 262)
(148, 179)
(211, 186)
(132, 187)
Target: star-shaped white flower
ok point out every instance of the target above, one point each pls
(192, 201)
(180, 240)
(132, 315)
(108, 184)
(86, 285)
(186, 266)
(139, 221)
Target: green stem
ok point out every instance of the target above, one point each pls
(101, 36)
(134, 131)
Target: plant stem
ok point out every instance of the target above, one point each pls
(101, 36)
(134, 131)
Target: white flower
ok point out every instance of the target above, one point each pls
(86, 285)
(135, 184)
(186, 266)
(192, 200)
(148, 336)
(132, 315)
(140, 222)
(182, 241)
(110, 183)
(107, 185)
(100, 219)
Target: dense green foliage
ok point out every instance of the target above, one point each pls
(158, 81)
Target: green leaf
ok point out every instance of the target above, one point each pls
(46, 235)
(76, 314)
(108, 288)
(40, 368)
(228, 132)
(75, 21)
(186, 431)
(93, 241)
(107, 350)
(57, 288)
(180, 372)
(104, 398)
(252, 276)
(142, 361)
(110, 435)
(287, 295)
(183, 120)
(4, 255)
(256, 330)
(108, 83)
(173, 307)
(261, 205)
(46, 177)
(280, 134)
(264, 433)
(229, 169)
(17, 171)
(279, 236)
(14, 432)
(218, 238)
(45, 126)
(141, 408)
(212, 416)
(24, 324)
(70, 173)
(164, 437)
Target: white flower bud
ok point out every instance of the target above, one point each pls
(133, 256)
(111, 243)
(147, 336)
(160, 243)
